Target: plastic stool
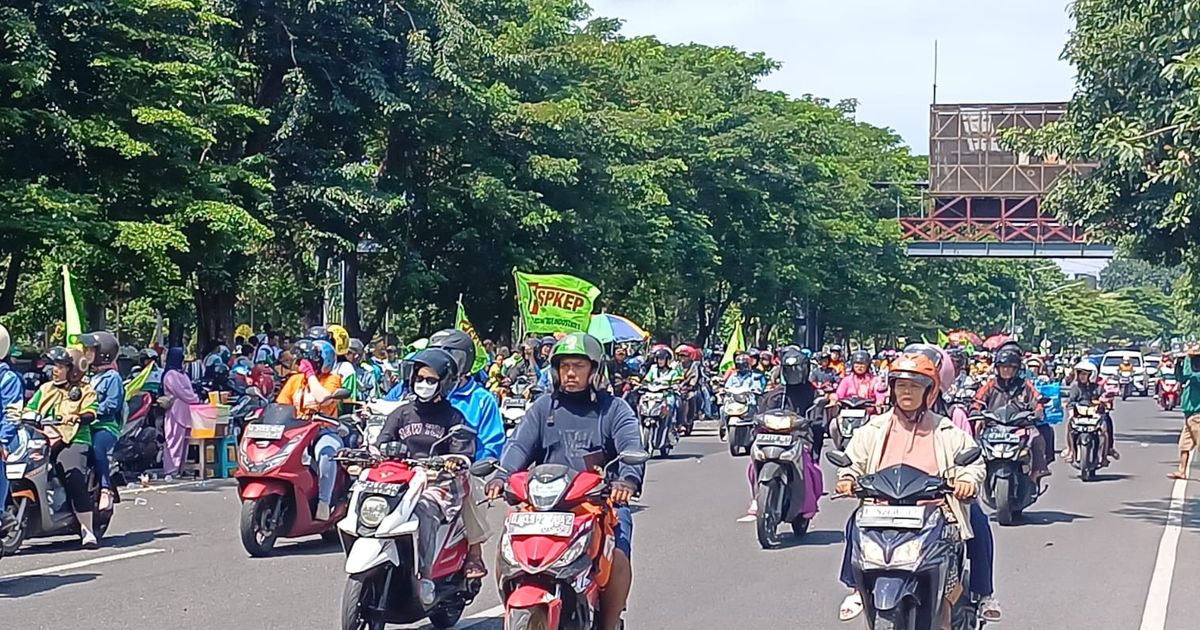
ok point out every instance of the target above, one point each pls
(225, 458)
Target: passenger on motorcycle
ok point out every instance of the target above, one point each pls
(1008, 387)
(824, 377)
(12, 397)
(835, 360)
(1085, 390)
(570, 427)
(72, 401)
(911, 433)
(690, 383)
(101, 350)
(424, 417)
(619, 370)
(308, 391)
(860, 383)
(742, 376)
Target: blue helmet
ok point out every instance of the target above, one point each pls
(327, 354)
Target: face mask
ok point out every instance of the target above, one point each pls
(425, 392)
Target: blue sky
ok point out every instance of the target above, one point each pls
(880, 51)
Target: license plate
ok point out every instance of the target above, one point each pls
(264, 431)
(555, 524)
(376, 487)
(514, 402)
(1001, 437)
(891, 516)
(773, 439)
(1086, 421)
(15, 471)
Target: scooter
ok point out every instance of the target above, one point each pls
(1009, 487)
(516, 404)
(781, 447)
(656, 407)
(276, 483)
(907, 559)
(738, 407)
(37, 497)
(139, 446)
(1087, 424)
(556, 550)
(1168, 392)
(380, 533)
(852, 413)
(1125, 380)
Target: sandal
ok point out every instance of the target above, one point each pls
(852, 607)
(474, 568)
(106, 502)
(1176, 475)
(1112, 452)
(989, 609)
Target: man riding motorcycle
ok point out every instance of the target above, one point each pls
(1008, 387)
(912, 434)
(1084, 391)
(12, 396)
(571, 426)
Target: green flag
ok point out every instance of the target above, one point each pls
(943, 340)
(555, 302)
(74, 325)
(134, 387)
(462, 323)
(737, 343)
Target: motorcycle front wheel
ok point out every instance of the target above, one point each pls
(258, 527)
(527, 619)
(1002, 494)
(901, 617)
(1087, 462)
(770, 508)
(13, 538)
(361, 591)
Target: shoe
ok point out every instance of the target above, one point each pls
(89, 541)
(106, 501)
(7, 521)
(427, 593)
(753, 509)
(989, 609)
(322, 511)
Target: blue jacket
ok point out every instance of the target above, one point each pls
(479, 407)
(396, 392)
(110, 396)
(12, 392)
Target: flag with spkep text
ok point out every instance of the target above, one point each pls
(552, 303)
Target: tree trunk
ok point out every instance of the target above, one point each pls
(316, 310)
(350, 315)
(12, 275)
(214, 316)
(96, 318)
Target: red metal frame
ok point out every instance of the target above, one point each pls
(978, 219)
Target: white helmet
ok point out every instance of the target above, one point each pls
(1085, 366)
(5, 343)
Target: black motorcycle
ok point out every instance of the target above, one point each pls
(1006, 441)
(783, 441)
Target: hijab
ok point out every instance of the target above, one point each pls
(175, 359)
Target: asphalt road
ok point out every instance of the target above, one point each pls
(1085, 557)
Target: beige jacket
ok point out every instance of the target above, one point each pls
(866, 451)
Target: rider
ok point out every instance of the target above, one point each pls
(1084, 391)
(860, 383)
(148, 360)
(101, 349)
(824, 377)
(1008, 387)
(835, 360)
(662, 372)
(911, 433)
(424, 417)
(71, 400)
(310, 389)
(12, 395)
(569, 427)
(344, 366)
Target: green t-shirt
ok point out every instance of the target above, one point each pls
(1189, 379)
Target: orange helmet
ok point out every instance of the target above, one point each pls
(917, 367)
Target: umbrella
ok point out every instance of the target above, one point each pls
(961, 337)
(995, 341)
(613, 328)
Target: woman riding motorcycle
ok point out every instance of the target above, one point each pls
(309, 390)
(71, 400)
(101, 349)
(1084, 391)
(860, 383)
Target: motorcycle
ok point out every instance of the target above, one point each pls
(781, 446)
(1086, 424)
(515, 405)
(908, 560)
(1009, 487)
(139, 447)
(738, 407)
(656, 407)
(37, 497)
(556, 550)
(853, 413)
(380, 533)
(1125, 380)
(276, 483)
(1168, 392)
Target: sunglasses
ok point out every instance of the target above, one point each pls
(429, 380)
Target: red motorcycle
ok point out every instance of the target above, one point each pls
(277, 485)
(1168, 393)
(556, 550)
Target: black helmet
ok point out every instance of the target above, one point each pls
(824, 356)
(307, 349)
(958, 356)
(149, 354)
(33, 379)
(459, 345)
(319, 332)
(58, 354)
(1010, 357)
(439, 361)
(793, 367)
(105, 345)
(662, 354)
(860, 356)
(741, 361)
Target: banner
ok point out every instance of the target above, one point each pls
(462, 323)
(74, 324)
(134, 387)
(555, 302)
(943, 339)
(737, 343)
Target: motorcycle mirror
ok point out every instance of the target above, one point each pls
(462, 432)
(340, 393)
(254, 392)
(485, 467)
(839, 459)
(968, 457)
(634, 458)
(1045, 400)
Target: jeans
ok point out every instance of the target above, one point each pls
(8, 435)
(980, 551)
(102, 444)
(326, 447)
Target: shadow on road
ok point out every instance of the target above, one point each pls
(122, 541)
(822, 538)
(1150, 437)
(33, 585)
(1155, 511)
(1046, 517)
(308, 547)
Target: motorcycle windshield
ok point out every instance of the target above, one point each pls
(903, 484)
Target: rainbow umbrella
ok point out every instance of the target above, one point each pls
(609, 328)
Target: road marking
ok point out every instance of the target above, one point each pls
(1154, 615)
(182, 484)
(81, 564)
(491, 614)
(749, 518)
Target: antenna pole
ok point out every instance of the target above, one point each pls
(935, 70)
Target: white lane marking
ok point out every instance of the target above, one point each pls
(183, 484)
(81, 564)
(749, 518)
(1154, 615)
(491, 614)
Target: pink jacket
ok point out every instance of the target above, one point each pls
(865, 386)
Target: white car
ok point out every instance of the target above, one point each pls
(1112, 360)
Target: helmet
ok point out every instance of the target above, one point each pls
(860, 356)
(149, 354)
(459, 345)
(958, 357)
(57, 354)
(33, 379)
(319, 332)
(303, 349)
(105, 345)
(5, 343)
(918, 368)
(793, 367)
(1009, 357)
(327, 355)
(741, 361)
(439, 361)
(1085, 366)
(835, 348)
(824, 356)
(662, 354)
(340, 338)
(578, 344)
(356, 346)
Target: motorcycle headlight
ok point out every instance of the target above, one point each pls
(872, 554)
(573, 552)
(372, 511)
(906, 554)
(544, 495)
(777, 422)
(735, 409)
